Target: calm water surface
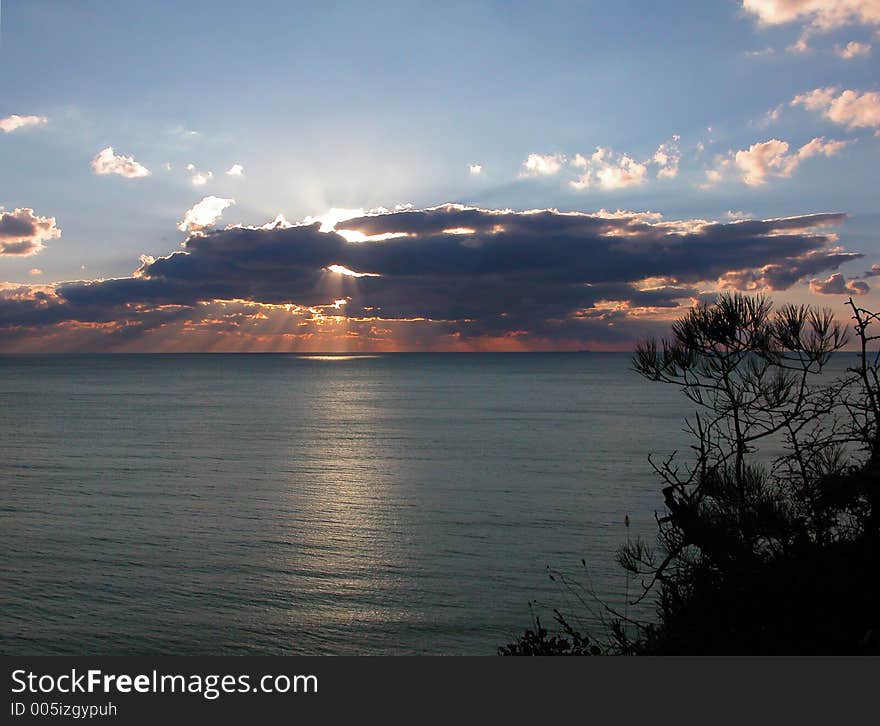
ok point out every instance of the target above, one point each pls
(279, 504)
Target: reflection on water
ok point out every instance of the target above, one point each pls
(343, 519)
(266, 504)
(334, 357)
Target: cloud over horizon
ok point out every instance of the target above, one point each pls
(454, 274)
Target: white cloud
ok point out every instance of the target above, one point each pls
(667, 158)
(35, 271)
(771, 158)
(342, 270)
(332, 217)
(737, 216)
(815, 15)
(763, 159)
(204, 214)
(183, 131)
(167, 166)
(475, 169)
(769, 118)
(543, 164)
(800, 46)
(22, 233)
(14, 122)
(200, 178)
(853, 49)
(608, 170)
(716, 173)
(235, 170)
(849, 108)
(106, 162)
(820, 147)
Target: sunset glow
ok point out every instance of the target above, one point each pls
(575, 221)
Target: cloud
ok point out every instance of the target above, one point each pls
(475, 169)
(769, 118)
(22, 233)
(837, 284)
(608, 170)
(35, 272)
(449, 277)
(667, 158)
(770, 158)
(235, 170)
(776, 277)
(800, 46)
(605, 168)
(183, 131)
(107, 162)
(849, 108)
(853, 49)
(760, 53)
(715, 175)
(737, 216)
(204, 213)
(763, 159)
(822, 147)
(543, 164)
(200, 178)
(15, 122)
(815, 15)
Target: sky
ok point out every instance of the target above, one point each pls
(462, 176)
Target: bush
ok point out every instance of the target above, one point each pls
(536, 641)
(757, 556)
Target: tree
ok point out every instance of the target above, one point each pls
(769, 539)
(759, 552)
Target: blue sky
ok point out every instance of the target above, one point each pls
(361, 105)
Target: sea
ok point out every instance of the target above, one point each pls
(320, 504)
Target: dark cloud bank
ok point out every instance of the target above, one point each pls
(473, 272)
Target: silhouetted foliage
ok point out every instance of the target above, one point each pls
(536, 641)
(761, 553)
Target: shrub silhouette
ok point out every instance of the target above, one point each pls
(758, 553)
(537, 641)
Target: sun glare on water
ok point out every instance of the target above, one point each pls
(340, 357)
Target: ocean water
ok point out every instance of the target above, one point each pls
(282, 504)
